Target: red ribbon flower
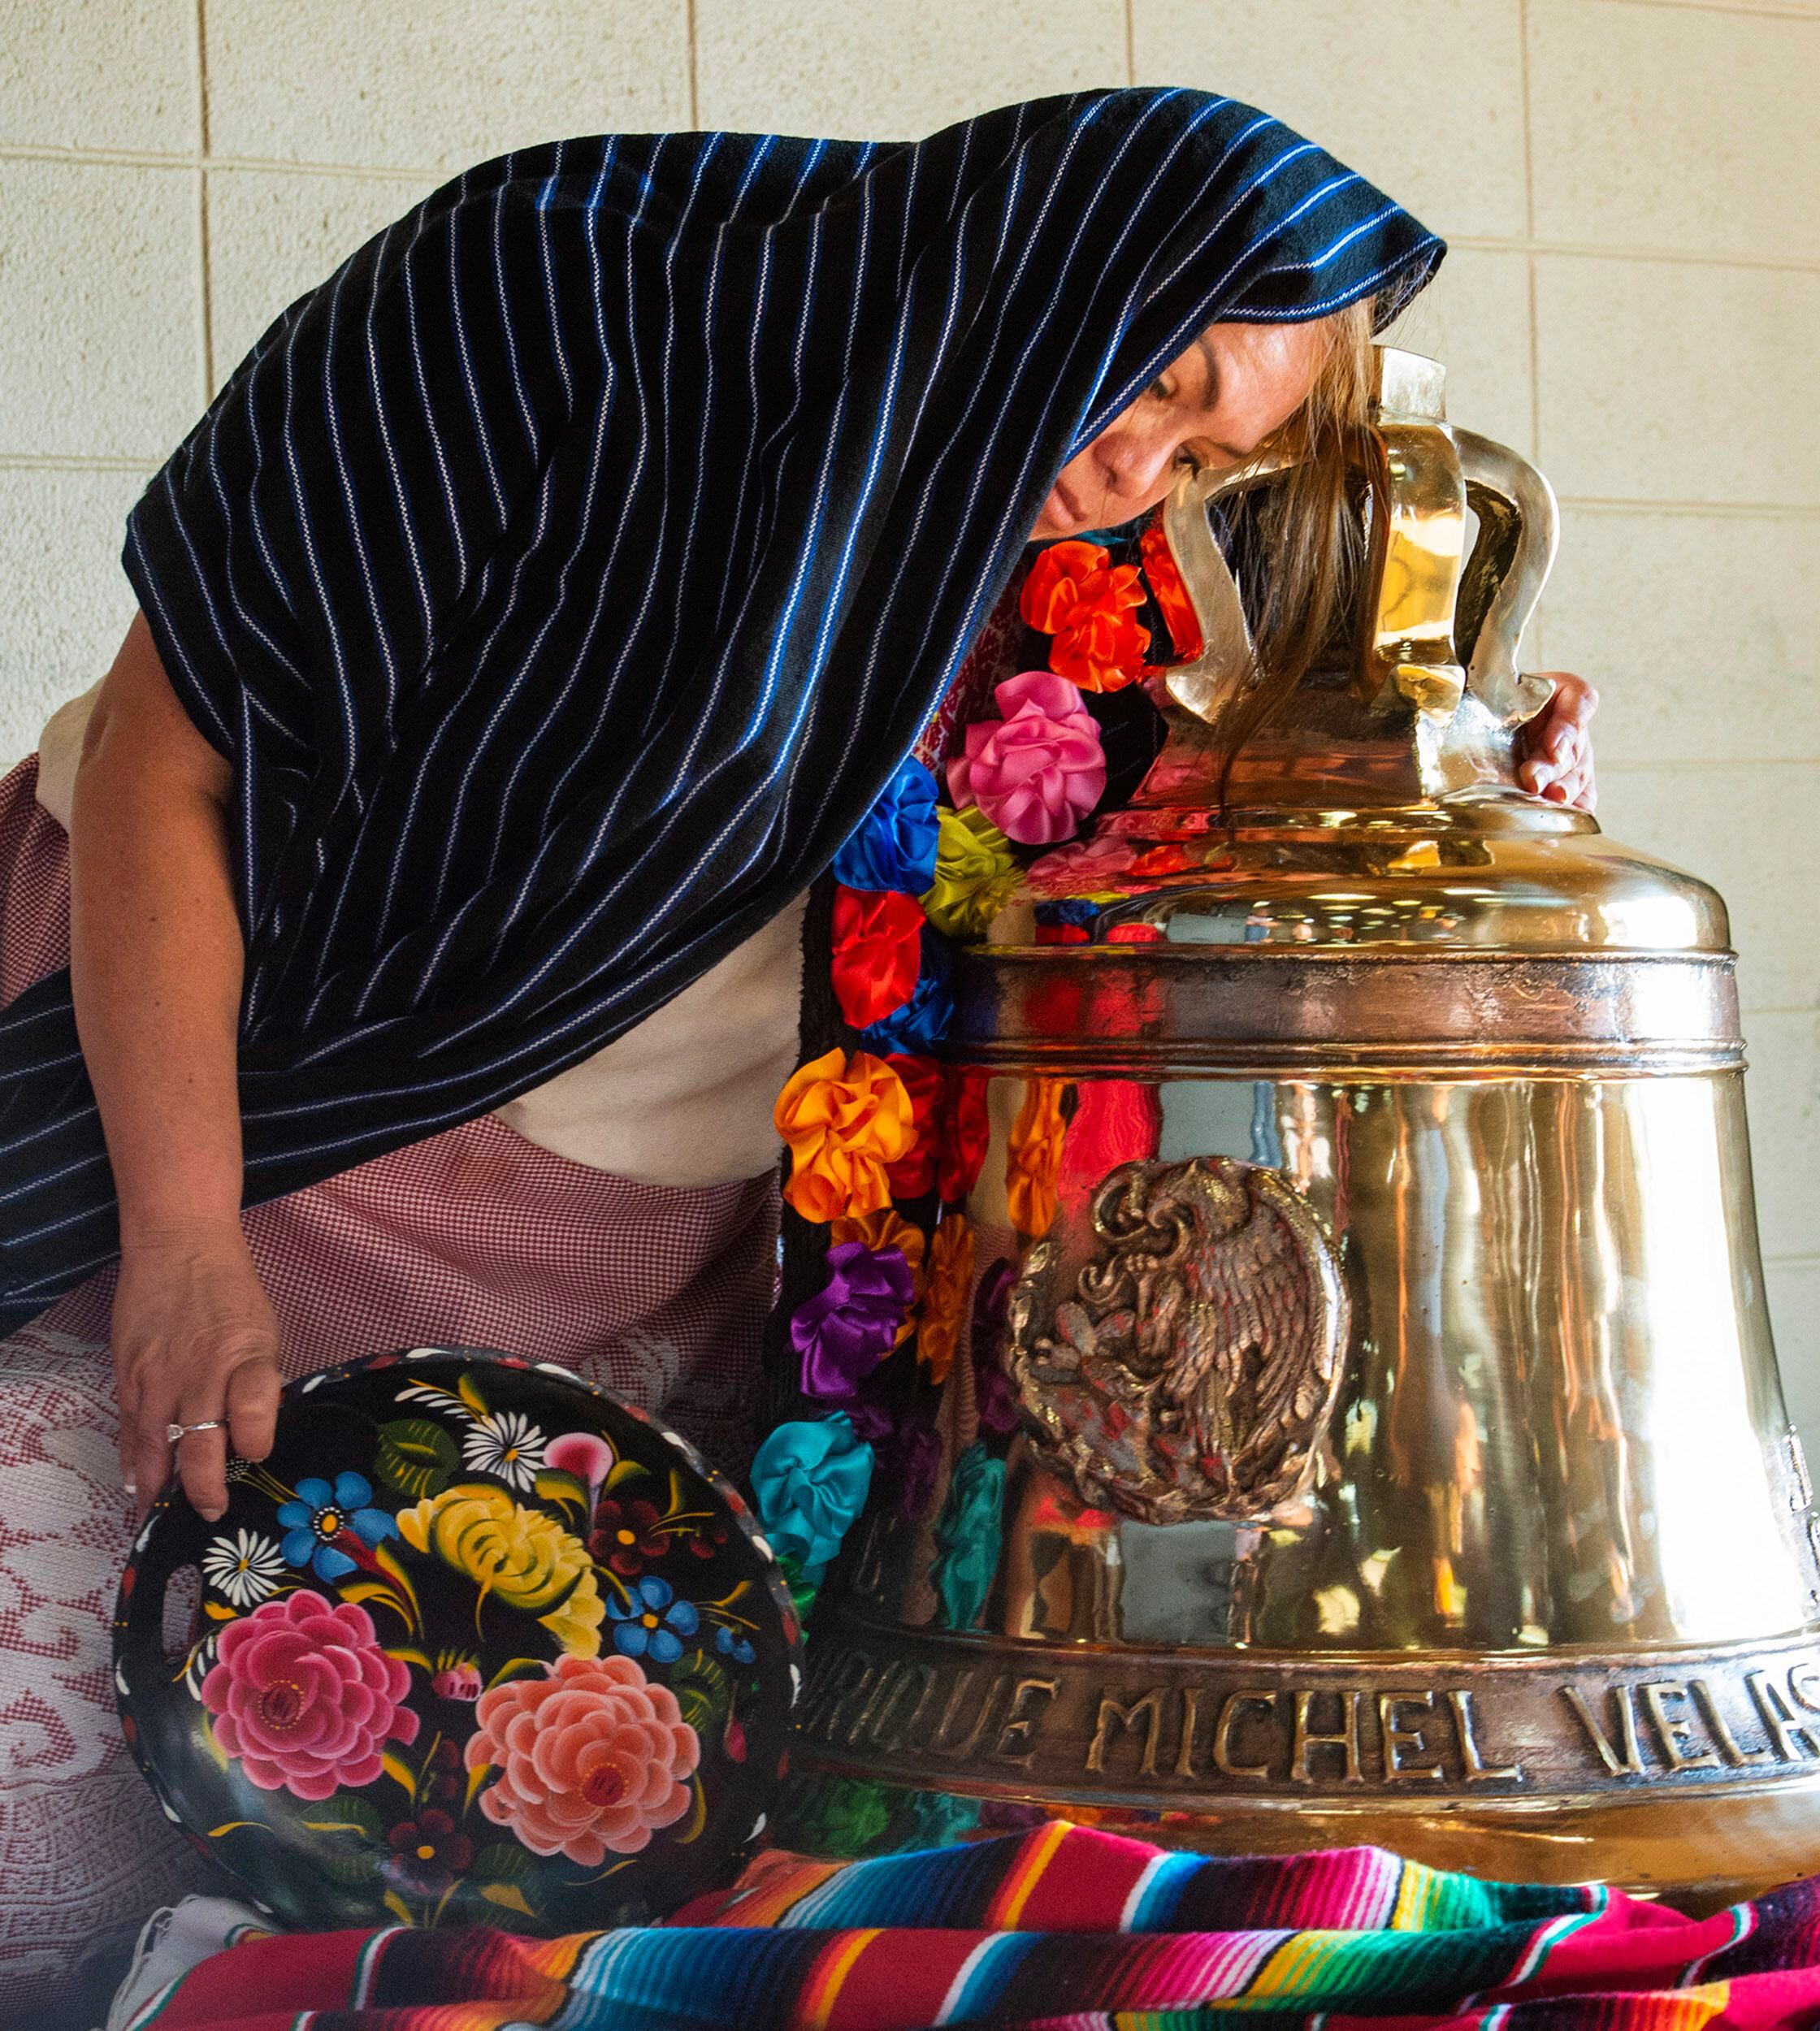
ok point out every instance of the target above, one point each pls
(966, 1130)
(878, 951)
(914, 1172)
(1076, 594)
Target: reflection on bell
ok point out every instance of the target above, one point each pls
(1402, 1454)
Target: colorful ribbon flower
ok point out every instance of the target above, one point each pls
(1076, 594)
(876, 952)
(852, 1323)
(947, 1283)
(994, 1401)
(1170, 593)
(966, 1132)
(968, 1535)
(1034, 1158)
(915, 1460)
(843, 1121)
(1038, 769)
(894, 845)
(810, 1480)
(923, 1020)
(976, 874)
(914, 1172)
(889, 1229)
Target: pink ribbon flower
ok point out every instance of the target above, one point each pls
(1039, 769)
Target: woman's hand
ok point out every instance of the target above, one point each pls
(1557, 744)
(194, 1342)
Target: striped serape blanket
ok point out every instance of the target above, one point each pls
(1061, 1929)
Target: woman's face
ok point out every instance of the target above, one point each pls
(1213, 406)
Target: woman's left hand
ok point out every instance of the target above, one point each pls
(1557, 745)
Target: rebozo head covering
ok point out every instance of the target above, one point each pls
(565, 575)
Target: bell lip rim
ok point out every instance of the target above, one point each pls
(856, 1622)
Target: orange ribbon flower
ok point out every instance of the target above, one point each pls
(1076, 594)
(947, 1289)
(844, 1121)
(1034, 1158)
(882, 1230)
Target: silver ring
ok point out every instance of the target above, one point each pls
(174, 1432)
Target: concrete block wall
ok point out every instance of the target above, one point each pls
(1631, 188)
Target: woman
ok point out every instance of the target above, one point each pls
(523, 629)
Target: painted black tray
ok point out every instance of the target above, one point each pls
(478, 1644)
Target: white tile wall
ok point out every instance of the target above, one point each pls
(112, 74)
(1633, 187)
(829, 67)
(1425, 96)
(1656, 130)
(102, 285)
(438, 83)
(1676, 381)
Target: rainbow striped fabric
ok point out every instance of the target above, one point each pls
(1060, 1929)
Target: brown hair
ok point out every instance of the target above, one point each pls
(1302, 528)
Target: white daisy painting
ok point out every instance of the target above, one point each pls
(506, 1444)
(243, 1568)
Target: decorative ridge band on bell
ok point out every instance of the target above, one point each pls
(1400, 1452)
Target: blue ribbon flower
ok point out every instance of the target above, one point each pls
(968, 1535)
(810, 1480)
(654, 1623)
(894, 845)
(320, 1514)
(921, 1023)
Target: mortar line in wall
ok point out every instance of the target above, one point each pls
(1130, 43)
(73, 463)
(195, 158)
(1522, 100)
(1594, 250)
(1628, 504)
(694, 93)
(1695, 764)
(1764, 10)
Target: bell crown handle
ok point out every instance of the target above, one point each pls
(1519, 526)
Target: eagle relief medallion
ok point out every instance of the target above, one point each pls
(1179, 1352)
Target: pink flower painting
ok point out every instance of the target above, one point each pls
(591, 1758)
(303, 1697)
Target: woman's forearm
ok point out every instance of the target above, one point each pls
(156, 954)
(156, 964)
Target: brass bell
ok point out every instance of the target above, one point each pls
(1402, 1457)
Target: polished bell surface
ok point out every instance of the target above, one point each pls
(1401, 1456)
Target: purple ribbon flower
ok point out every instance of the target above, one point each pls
(848, 1327)
(994, 1399)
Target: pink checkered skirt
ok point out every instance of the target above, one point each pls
(473, 1237)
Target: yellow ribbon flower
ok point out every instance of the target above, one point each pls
(887, 1229)
(947, 1291)
(522, 1556)
(975, 873)
(844, 1121)
(1034, 1158)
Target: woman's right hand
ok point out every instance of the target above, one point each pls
(194, 1342)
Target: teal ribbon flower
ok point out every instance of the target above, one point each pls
(968, 1535)
(810, 1479)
